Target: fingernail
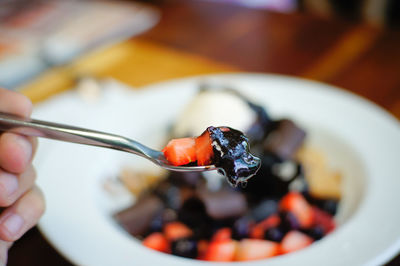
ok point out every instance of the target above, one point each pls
(9, 182)
(13, 224)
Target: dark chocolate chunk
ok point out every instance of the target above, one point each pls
(285, 139)
(137, 219)
(224, 204)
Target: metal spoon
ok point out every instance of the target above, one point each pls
(44, 129)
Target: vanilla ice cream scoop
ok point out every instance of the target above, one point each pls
(214, 107)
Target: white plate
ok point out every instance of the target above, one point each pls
(360, 139)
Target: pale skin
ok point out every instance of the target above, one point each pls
(21, 200)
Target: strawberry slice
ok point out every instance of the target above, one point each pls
(202, 246)
(222, 234)
(294, 240)
(176, 230)
(221, 250)
(157, 241)
(204, 149)
(295, 203)
(256, 249)
(259, 229)
(323, 219)
(180, 151)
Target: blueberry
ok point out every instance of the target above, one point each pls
(316, 232)
(289, 221)
(169, 194)
(264, 209)
(274, 234)
(330, 206)
(241, 228)
(185, 247)
(173, 197)
(193, 213)
(157, 223)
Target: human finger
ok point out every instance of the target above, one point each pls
(15, 103)
(14, 186)
(22, 215)
(15, 152)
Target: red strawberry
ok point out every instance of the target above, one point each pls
(204, 149)
(295, 203)
(294, 240)
(202, 246)
(222, 234)
(176, 230)
(256, 249)
(221, 250)
(323, 219)
(180, 151)
(157, 241)
(259, 229)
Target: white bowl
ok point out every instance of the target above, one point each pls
(359, 138)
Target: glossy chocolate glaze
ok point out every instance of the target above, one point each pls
(232, 155)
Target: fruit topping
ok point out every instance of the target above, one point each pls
(184, 247)
(232, 155)
(294, 240)
(226, 148)
(221, 250)
(256, 249)
(289, 202)
(204, 149)
(157, 241)
(176, 230)
(275, 234)
(241, 228)
(323, 219)
(258, 231)
(222, 234)
(180, 151)
(297, 205)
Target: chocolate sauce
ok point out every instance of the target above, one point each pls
(232, 155)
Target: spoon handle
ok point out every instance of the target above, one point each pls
(44, 129)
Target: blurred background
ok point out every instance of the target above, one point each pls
(47, 47)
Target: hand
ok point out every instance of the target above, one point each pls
(22, 202)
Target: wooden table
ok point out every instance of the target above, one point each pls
(200, 37)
